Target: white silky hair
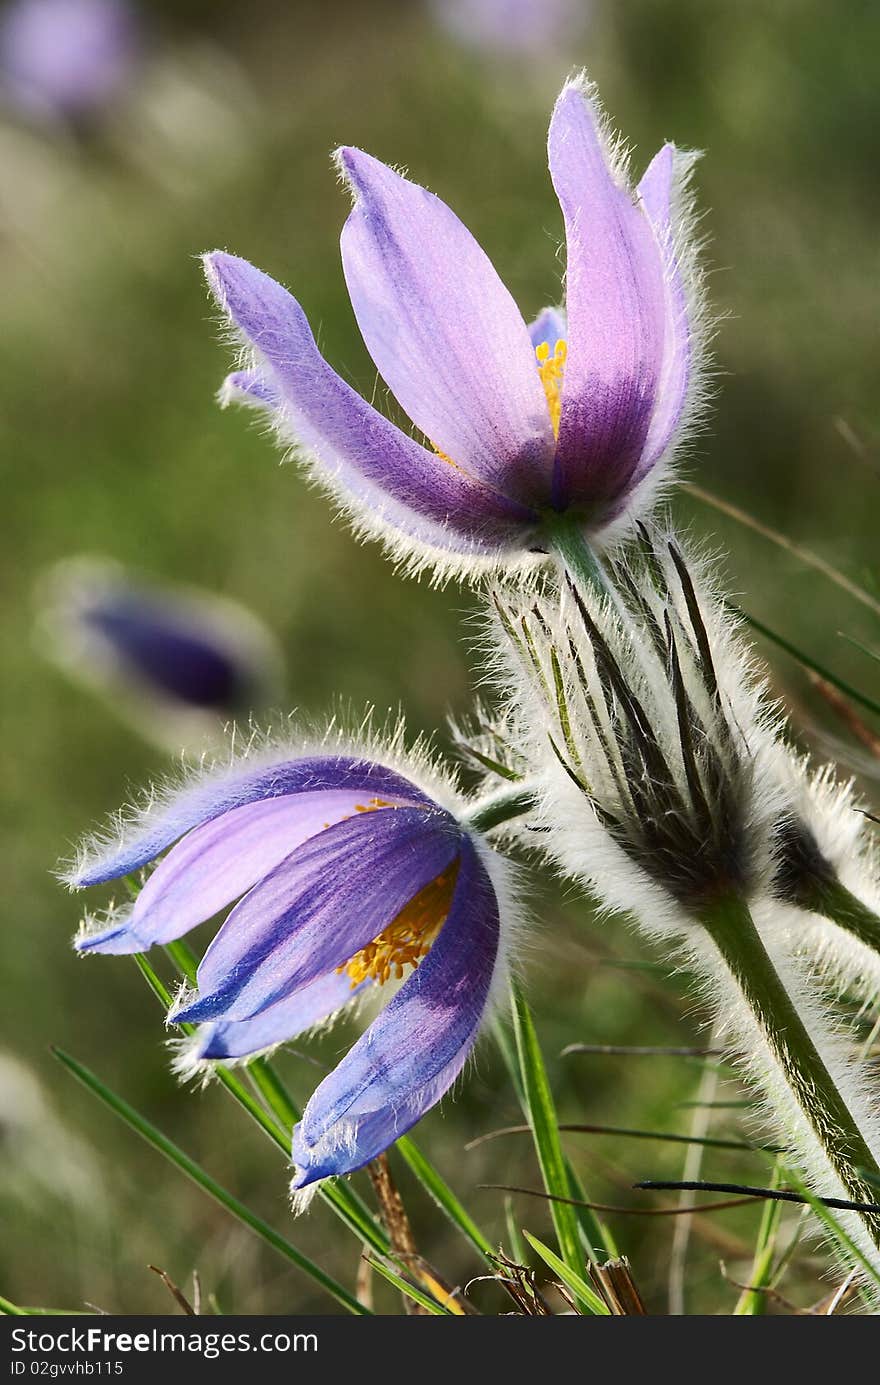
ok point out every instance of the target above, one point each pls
(368, 742)
(364, 738)
(573, 832)
(831, 809)
(585, 849)
(748, 1046)
(371, 515)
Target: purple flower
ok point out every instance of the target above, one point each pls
(348, 876)
(512, 26)
(180, 660)
(576, 415)
(66, 57)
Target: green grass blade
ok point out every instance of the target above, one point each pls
(352, 1210)
(541, 1116)
(8, 1309)
(595, 1235)
(582, 1291)
(806, 661)
(426, 1302)
(182, 1161)
(444, 1197)
(517, 1247)
(862, 648)
(225, 1076)
(752, 1302)
(826, 1215)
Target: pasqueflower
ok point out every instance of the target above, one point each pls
(517, 429)
(178, 660)
(349, 877)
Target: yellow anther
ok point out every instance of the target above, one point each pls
(408, 938)
(551, 369)
(372, 805)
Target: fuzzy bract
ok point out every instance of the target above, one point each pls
(651, 727)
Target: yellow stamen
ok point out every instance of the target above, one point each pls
(371, 807)
(408, 938)
(550, 369)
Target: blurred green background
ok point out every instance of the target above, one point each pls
(112, 443)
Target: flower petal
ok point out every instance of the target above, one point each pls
(412, 1053)
(549, 327)
(215, 863)
(664, 175)
(445, 333)
(334, 895)
(160, 645)
(615, 302)
(369, 457)
(282, 1021)
(249, 387)
(246, 782)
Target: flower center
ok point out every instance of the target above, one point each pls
(551, 369)
(408, 938)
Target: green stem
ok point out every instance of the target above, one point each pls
(194, 1171)
(570, 545)
(732, 929)
(835, 902)
(497, 808)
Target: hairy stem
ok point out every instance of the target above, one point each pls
(834, 901)
(731, 928)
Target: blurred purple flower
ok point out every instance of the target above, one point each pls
(66, 58)
(503, 27)
(348, 875)
(577, 414)
(182, 659)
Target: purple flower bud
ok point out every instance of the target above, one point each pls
(66, 58)
(181, 660)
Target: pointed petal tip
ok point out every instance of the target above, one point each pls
(115, 941)
(192, 1008)
(362, 172)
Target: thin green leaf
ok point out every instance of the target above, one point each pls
(570, 1278)
(591, 1228)
(862, 648)
(494, 766)
(518, 1250)
(225, 1076)
(752, 1301)
(430, 1304)
(445, 1198)
(806, 556)
(809, 663)
(541, 1116)
(351, 1209)
(843, 1240)
(182, 1161)
(595, 1235)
